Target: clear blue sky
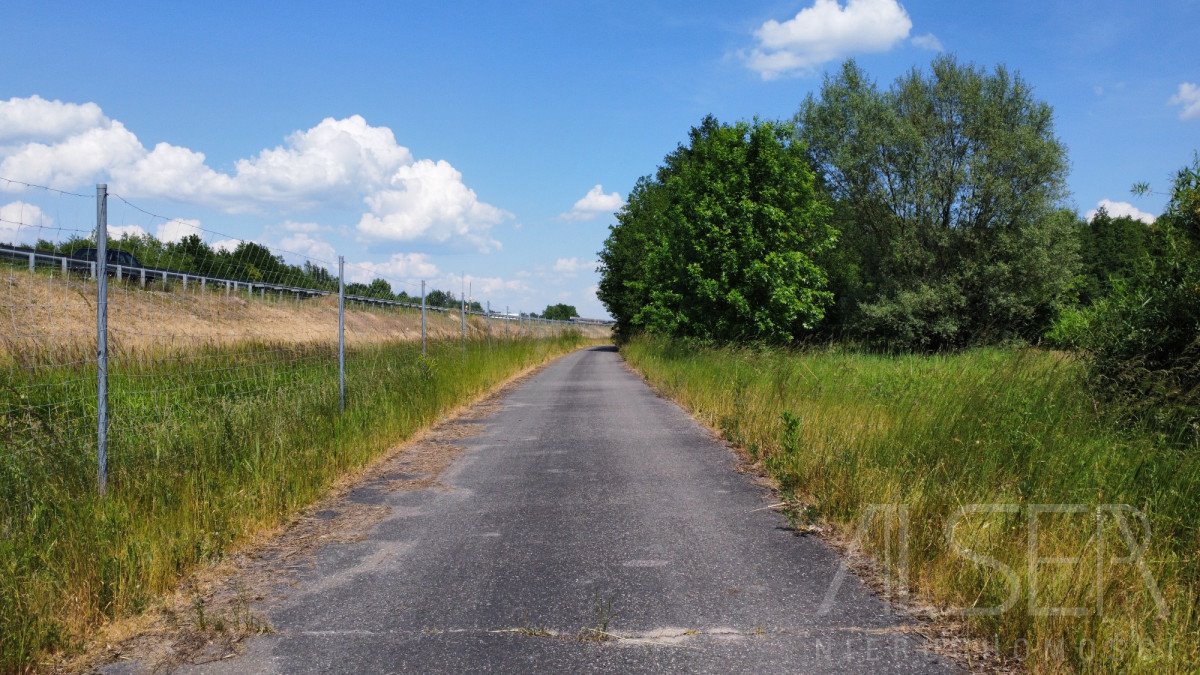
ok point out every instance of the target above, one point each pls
(527, 105)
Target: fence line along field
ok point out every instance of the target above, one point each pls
(47, 311)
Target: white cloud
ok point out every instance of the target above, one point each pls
(227, 245)
(483, 287)
(175, 230)
(573, 266)
(928, 41)
(36, 119)
(309, 246)
(343, 162)
(1120, 209)
(292, 226)
(826, 32)
(23, 223)
(334, 160)
(118, 231)
(428, 201)
(405, 268)
(1187, 98)
(594, 203)
(74, 161)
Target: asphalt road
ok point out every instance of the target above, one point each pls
(588, 508)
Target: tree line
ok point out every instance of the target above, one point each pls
(925, 216)
(248, 261)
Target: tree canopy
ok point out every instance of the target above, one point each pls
(722, 241)
(947, 188)
(560, 312)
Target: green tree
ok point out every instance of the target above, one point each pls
(1143, 338)
(560, 312)
(439, 298)
(721, 242)
(380, 288)
(1113, 249)
(947, 189)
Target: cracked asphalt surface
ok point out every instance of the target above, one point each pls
(592, 526)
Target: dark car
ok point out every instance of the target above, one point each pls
(81, 257)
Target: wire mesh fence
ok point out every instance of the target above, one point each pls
(112, 344)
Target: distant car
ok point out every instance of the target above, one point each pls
(82, 257)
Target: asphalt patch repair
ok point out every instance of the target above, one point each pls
(212, 613)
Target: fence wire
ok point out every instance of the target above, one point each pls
(197, 321)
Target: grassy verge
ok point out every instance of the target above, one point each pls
(205, 447)
(1011, 430)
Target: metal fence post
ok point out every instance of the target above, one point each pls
(462, 314)
(487, 318)
(342, 332)
(102, 337)
(422, 318)
(507, 320)
(32, 261)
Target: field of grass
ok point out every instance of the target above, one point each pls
(47, 309)
(206, 447)
(1061, 489)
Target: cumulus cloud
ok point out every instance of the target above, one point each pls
(1121, 209)
(74, 161)
(175, 230)
(1188, 99)
(928, 41)
(573, 266)
(343, 162)
(331, 161)
(483, 287)
(428, 201)
(227, 245)
(595, 203)
(36, 119)
(23, 223)
(825, 32)
(409, 268)
(119, 231)
(309, 246)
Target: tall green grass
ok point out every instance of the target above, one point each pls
(204, 448)
(842, 431)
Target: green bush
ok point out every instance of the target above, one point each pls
(1143, 338)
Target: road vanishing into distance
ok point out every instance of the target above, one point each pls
(590, 526)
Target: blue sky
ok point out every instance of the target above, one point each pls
(425, 140)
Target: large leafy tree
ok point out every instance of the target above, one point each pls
(947, 189)
(560, 312)
(721, 242)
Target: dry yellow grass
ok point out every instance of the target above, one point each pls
(38, 312)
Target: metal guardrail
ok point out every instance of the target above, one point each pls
(149, 275)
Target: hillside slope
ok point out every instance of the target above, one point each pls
(39, 312)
